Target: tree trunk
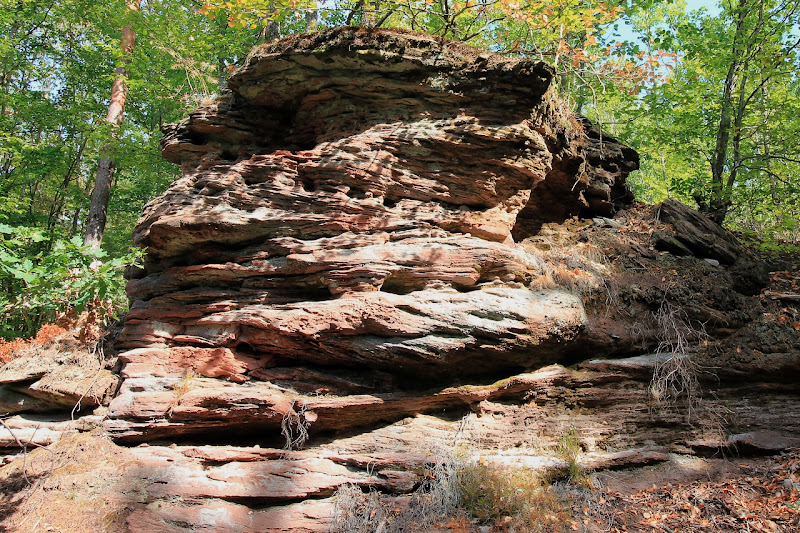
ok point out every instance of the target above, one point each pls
(272, 32)
(715, 206)
(311, 17)
(98, 207)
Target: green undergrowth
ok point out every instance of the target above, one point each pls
(43, 281)
(568, 448)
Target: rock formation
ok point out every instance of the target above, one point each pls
(351, 203)
(373, 227)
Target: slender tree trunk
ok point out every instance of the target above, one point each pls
(311, 17)
(272, 32)
(738, 124)
(58, 201)
(222, 75)
(726, 105)
(222, 67)
(715, 205)
(98, 207)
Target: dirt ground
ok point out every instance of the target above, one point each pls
(75, 485)
(80, 485)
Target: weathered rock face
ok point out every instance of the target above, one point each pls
(372, 258)
(376, 225)
(351, 202)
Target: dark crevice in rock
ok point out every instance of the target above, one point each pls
(588, 179)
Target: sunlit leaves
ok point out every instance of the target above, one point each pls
(675, 124)
(253, 14)
(38, 287)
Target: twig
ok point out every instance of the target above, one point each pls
(782, 296)
(77, 406)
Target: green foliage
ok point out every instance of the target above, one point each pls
(699, 142)
(660, 91)
(57, 63)
(67, 278)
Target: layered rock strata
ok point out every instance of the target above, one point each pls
(374, 225)
(513, 423)
(351, 203)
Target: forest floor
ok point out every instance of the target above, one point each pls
(732, 494)
(80, 484)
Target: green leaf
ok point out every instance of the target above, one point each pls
(27, 277)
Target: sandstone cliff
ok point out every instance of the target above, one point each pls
(384, 244)
(352, 203)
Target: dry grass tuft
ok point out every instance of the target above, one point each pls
(455, 495)
(435, 502)
(511, 499)
(358, 512)
(580, 268)
(181, 388)
(568, 448)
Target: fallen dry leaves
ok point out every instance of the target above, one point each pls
(763, 498)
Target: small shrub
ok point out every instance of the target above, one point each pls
(568, 449)
(67, 283)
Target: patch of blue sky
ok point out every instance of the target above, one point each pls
(622, 31)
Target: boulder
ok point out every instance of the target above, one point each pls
(698, 234)
(384, 245)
